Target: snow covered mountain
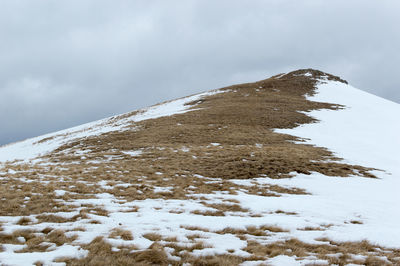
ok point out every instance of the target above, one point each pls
(297, 169)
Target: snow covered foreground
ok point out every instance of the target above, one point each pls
(366, 132)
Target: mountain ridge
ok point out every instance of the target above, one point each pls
(248, 173)
(317, 73)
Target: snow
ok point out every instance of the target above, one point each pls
(283, 260)
(162, 189)
(59, 192)
(366, 132)
(38, 146)
(215, 144)
(133, 153)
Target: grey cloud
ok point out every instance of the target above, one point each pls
(64, 63)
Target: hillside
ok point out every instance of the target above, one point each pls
(300, 168)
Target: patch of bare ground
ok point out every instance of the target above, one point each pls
(224, 260)
(208, 213)
(36, 241)
(24, 221)
(312, 228)
(51, 218)
(24, 199)
(119, 233)
(263, 230)
(284, 212)
(153, 236)
(101, 253)
(225, 207)
(179, 248)
(356, 222)
(219, 209)
(332, 252)
(195, 228)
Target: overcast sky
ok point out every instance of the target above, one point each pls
(63, 63)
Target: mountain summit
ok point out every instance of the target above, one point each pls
(300, 168)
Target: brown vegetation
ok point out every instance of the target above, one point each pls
(122, 234)
(100, 253)
(344, 250)
(36, 241)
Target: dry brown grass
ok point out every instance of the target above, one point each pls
(153, 236)
(356, 222)
(23, 199)
(263, 230)
(295, 247)
(36, 241)
(100, 253)
(208, 213)
(98, 211)
(24, 221)
(220, 209)
(59, 238)
(13, 238)
(193, 236)
(119, 233)
(225, 207)
(284, 212)
(170, 239)
(80, 229)
(312, 228)
(195, 228)
(94, 222)
(216, 260)
(51, 218)
(273, 228)
(176, 211)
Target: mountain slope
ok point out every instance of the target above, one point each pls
(295, 169)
